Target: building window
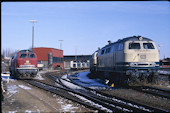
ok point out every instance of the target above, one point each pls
(57, 60)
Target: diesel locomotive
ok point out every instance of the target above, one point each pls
(128, 60)
(24, 64)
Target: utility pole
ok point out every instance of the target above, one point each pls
(76, 53)
(159, 49)
(60, 50)
(60, 44)
(33, 21)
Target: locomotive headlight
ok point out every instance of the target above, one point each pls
(153, 64)
(132, 64)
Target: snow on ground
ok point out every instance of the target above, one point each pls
(29, 111)
(68, 108)
(164, 72)
(11, 90)
(39, 77)
(64, 76)
(12, 111)
(24, 87)
(93, 83)
(91, 102)
(70, 85)
(65, 107)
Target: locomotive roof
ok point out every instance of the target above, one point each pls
(132, 38)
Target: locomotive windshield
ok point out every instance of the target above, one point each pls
(148, 46)
(23, 55)
(134, 45)
(31, 56)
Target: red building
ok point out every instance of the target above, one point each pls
(50, 57)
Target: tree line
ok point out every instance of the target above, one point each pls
(8, 52)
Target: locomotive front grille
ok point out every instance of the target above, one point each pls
(142, 64)
(27, 66)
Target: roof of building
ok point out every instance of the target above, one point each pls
(42, 53)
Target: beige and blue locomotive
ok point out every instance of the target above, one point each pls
(130, 59)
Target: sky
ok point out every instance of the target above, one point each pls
(83, 26)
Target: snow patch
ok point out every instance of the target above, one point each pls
(92, 83)
(70, 85)
(12, 111)
(27, 111)
(60, 101)
(64, 76)
(24, 87)
(39, 77)
(11, 90)
(67, 107)
(91, 102)
(164, 72)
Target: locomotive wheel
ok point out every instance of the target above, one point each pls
(130, 82)
(143, 82)
(124, 81)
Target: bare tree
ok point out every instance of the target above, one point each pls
(8, 52)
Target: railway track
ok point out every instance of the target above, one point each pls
(115, 104)
(61, 92)
(164, 93)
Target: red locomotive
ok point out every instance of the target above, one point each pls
(24, 64)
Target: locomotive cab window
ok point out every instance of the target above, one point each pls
(134, 45)
(107, 50)
(31, 56)
(23, 55)
(148, 46)
(102, 51)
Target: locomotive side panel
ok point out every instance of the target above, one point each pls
(104, 62)
(111, 58)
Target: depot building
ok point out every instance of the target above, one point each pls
(50, 57)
